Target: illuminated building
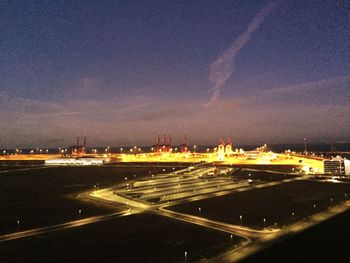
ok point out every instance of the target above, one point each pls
(337, 166)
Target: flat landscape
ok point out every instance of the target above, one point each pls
(42, 197)
(136, 238)
(69, 219)
(275, 206)
(326, 242)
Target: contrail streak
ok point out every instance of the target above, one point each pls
(220, 70)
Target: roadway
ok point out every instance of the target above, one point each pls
(266, 241)
(63, 226)
(196, 184)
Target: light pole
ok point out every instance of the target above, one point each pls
(241, 219)
(264, 221)
(185, 256)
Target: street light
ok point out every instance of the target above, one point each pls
(185, 255)
(264, 221)
(241, 219)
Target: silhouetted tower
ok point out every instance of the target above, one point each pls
(228, 147)
(83, 147)
(78, 149)
(305, 146)
(157, 147)
(184, 147)
(169, 141)
(221, 150)
(333, 145)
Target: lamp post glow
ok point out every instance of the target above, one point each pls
(264, 221)
(185, 255)
(241, 219)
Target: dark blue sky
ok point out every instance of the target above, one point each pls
(120, 71)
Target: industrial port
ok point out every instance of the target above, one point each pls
(221, 203)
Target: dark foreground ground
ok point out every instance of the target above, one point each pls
(281, 204)
(136, 238)
(326, 242)
(42, 197)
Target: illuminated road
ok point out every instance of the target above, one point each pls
(173, 189)
(245, 232)
(161, 191)
(187, 186)
(59, 227)
(273, 238)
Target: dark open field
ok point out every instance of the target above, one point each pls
(45, 196)
(14, 165)
(260, 175)
(136, 238)
(326, 242)
(276, 204)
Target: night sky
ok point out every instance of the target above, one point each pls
(122, 71)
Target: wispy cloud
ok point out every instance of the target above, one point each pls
(221, 69)
(324, 83)
(130, 121)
